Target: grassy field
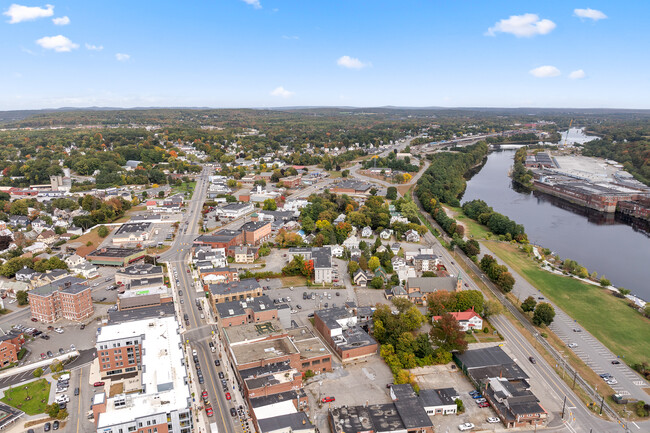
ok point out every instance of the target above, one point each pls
(185, 187)
(38, 393)
(92, 237)
(472, 228)
(609, 319)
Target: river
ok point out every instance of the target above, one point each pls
(597, 241)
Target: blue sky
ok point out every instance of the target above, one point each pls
(269, 53)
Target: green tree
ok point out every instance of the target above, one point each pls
(410, 211)
(374, 263)
(22, 297)
(447, 335)
(52, 410)
(352, 267)
(270, 204)
(467, 299)
(529, 304)
(391, 193)
(377, 283)
(544, 314)
(38, 372)
(505, 281)
(604, 282)
(103, 231)
(308, 224)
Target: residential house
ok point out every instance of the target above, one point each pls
(360, 278)
(467, 319)
(425, 262)
(245, 254)
(412, 236)
(337, 250)
(386, 234)
(74, 260)
(395, 247)
(351, 242)
(366, 232)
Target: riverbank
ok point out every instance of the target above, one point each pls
(608, 318)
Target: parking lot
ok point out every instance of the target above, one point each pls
(447, 376)
(363, 382)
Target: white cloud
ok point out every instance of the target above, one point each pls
(592, 14)
(351, 62)
(255, 3)
(63, 21)
(94, 47)
(122, 57)
(19, 13)
(545, 72)
(290, 37)
(577, 75)
(282, 92)
(59, 43)
(522, 26)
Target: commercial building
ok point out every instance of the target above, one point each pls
(256, 232)
(66, 298)
(234, 210)
(291, 423)
(240, 312)
(152, 349)
(291, 181)
(320, 259)
(380, 418)
(226, 239)
(353, 187)
(138, 272)
(339, 328)
(236, 290)
(145, 292)
(505, 386)
(246, 254)
(108, 256)
(132, 232)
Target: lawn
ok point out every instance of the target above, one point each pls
(38, 392)
(473, 228)
(624, 331)
(185, 187)
(92, 237)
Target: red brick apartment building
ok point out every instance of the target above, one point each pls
(10, 345)
(66, 298)
(256, 232)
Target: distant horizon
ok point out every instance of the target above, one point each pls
(307, 107)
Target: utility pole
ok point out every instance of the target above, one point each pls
(575, 373)
(563, 406)
(602, 401)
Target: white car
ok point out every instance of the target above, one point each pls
(60, 390)
(466, 426)
(62, 398)
(572, 345)
(493, 420)
(58, 330)
(611, 381)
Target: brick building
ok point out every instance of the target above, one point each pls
(67, 298)
(115, 256)
(221, 239)
(351, 187)
(233, 313)
(339, 328)
(236, 290)
(256, 232)
(10, 345)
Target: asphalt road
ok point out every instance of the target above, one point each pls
(588, 348)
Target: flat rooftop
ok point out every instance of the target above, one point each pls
(263, 350)
(163, 377)
(115, 252)
(141, 269)
(162, 310)
(133, 227)
(250, 332)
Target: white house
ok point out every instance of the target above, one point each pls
(412, 236)
(74, 260)
(466, 319)
(386, 234)
(337, 250)
(366, 232)
(351, 242)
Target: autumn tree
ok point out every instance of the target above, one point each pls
(544, 314)
(447, 335)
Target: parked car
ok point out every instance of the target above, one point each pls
(233, 412)
(34, 319)
(204, 395)
(58, 331)
(96, 384)
(76, 391)
(616, 361)
(61, 351)
(477, 396)
(47, 426)
(480, 400)
(49, 354)
(228, 396)
(493, 420)
(466, 426)
(208, 411)
(55, 425)
(221, 375)
(327, 399)
(484, 404)
(217, 363)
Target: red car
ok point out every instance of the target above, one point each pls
(204, 395)
(98, 384)
(43, 356)
(484, 404)
(227, 396)
(208, 411)
(34, 319)
(328, 399)
(188, 271)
